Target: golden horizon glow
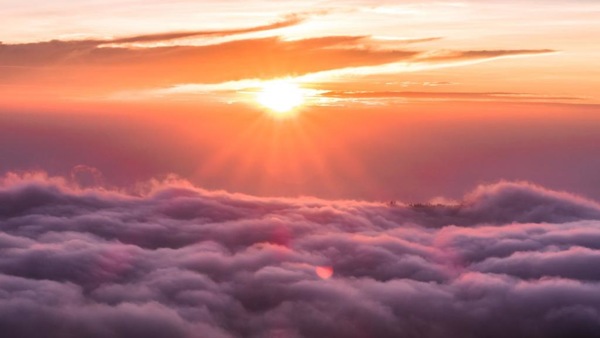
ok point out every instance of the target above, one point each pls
(280, 96)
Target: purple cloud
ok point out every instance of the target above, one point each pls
(512, 259)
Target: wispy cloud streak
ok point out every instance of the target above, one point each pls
(290, 20)
(90, 66)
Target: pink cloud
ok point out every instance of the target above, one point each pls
(179, 260)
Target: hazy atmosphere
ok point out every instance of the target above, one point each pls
(299, 168)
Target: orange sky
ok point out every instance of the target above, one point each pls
(125, 50)
(410, 93)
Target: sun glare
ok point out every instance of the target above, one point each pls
(280, 96)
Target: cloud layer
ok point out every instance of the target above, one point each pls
(511, 260)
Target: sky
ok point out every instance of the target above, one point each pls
(299, 168)
(407, 100)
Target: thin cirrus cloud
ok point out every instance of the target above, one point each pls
(85, 61)
(87, 66)
(481, 54)
(56, 52)
(290, 20)
(99, 263)
(471, 96)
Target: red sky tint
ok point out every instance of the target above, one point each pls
(408, 100)
(299, 168)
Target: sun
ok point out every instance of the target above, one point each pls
(280, 96)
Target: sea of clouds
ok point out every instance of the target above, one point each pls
(509, 260)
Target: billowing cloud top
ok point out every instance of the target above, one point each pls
(510, 260)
